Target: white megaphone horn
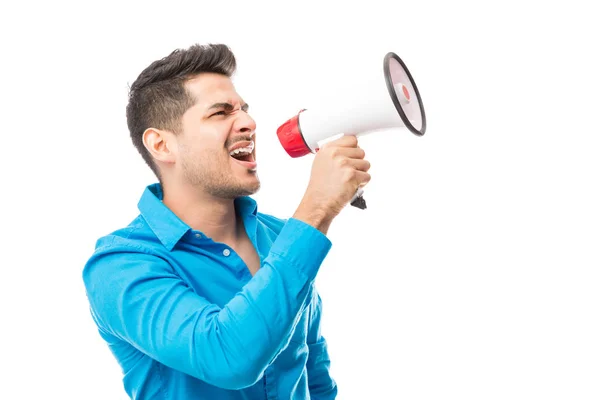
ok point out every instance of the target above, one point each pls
(391, 102)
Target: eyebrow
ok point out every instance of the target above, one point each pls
(228, 106)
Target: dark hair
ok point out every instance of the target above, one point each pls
(158, 98)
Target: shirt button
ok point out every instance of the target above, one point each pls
(198, 235)
(226, 252)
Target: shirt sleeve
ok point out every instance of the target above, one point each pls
(320, 383)
(136, 296)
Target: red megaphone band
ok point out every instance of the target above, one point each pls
(290, 136)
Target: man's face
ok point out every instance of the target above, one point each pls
(216, 146)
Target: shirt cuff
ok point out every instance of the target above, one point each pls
(303, 245)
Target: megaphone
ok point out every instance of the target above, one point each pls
(391, 102)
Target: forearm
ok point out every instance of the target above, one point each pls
(258, 321)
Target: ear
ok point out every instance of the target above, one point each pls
(160, 144)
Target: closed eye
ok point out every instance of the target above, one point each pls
(227, 108)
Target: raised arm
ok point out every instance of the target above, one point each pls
(137, 297)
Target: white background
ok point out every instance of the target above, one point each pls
(474, 272)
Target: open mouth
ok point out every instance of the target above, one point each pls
(244, 154)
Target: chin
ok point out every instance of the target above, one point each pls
(246, 187)
(253, 188)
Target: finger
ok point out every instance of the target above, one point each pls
(345, 141)
(362, 178)
(350, 152)
(359, 164)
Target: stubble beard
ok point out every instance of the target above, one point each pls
(218, 182)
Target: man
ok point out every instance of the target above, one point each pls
(201, 296)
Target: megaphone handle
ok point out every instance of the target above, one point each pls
(357, 200)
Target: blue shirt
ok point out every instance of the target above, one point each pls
(185, 319)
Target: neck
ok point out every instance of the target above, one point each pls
(213, 216)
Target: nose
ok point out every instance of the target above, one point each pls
(244, 123)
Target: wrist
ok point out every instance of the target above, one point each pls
(314, 216)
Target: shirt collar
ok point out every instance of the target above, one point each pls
(245, 206)
(167, 226)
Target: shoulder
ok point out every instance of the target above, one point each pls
(124, 250)
(135, 235)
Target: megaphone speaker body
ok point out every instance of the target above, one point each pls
(382, 101)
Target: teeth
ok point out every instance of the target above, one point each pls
(246, 150)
